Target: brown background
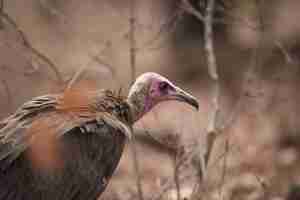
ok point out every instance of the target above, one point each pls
(257, 51)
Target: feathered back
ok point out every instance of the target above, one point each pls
(57, 114)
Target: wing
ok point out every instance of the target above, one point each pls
(14, 132)
(90, 155)
(54, 116)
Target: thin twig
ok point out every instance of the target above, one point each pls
(285, 52)
(231, 149)
(176, 177)
(224, 169)
(168, 185)
(76, 76)
(208, 20)
(176, 163)
(264, 186)
(132, 21)
(8, 93)
(136, 168)
(165, 28)
(164, 188)
(213, 73)
(28, 45)
(108, 66)
(261, 182)
(1, 11)
(1, 6)
(132, 24)
(83, 68)
(57, 13)
(188, 7)
(213, 128)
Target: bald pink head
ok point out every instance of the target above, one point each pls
(150, 89)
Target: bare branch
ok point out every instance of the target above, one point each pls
(136, 168)
(176, 164)
(1, 11)
(8, 93)
(83, 68)
(177, 181)
(164, 188)
(132, 24)
(76, 76)
(284, 51)
(213, 73)
(188, 7)
(230, 149)
(224, 169)
(208, 20)
(28, 45)
(132, 21)
(165, 28)
(168, 185)
(209, 42)
(1, 6)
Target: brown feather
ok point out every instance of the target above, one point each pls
(55, 115)
(76, 138)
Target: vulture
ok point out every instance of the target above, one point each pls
(66, 146)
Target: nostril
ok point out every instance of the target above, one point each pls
(163, 86)
(152, 91)
(172, 88)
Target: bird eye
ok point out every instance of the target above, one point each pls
(163, 86)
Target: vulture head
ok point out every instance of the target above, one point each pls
(150, 89)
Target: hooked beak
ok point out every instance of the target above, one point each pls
(183, 96)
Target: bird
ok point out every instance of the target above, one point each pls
(66, 146)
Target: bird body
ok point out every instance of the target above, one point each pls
(67, 146)
(91, 140)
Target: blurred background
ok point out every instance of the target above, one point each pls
(45, 44)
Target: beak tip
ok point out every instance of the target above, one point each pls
(192, 101)
(187, 98)
(195, 105)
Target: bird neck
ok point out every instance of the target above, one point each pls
(140, 104)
